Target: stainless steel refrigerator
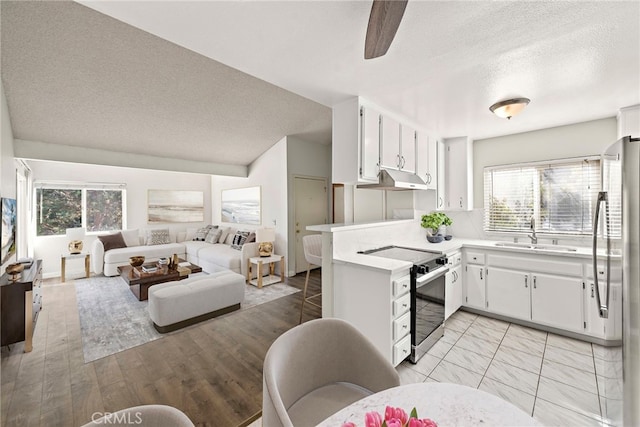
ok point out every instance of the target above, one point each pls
(617, 222)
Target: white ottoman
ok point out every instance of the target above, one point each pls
(174, 305)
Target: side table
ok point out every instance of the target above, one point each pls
(63, 263)
(271, 278)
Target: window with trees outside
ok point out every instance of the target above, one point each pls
(560, 195)
(97, 207)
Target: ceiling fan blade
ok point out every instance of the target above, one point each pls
(384, 20)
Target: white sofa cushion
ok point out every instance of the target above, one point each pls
(131, 237)
(222, 255)
(121, 256)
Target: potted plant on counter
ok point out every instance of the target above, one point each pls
(436, 223)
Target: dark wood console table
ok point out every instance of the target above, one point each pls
(21, 303)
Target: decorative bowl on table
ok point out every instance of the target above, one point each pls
(435, 239)
(14, 270)
(136, 261)
(448, 237)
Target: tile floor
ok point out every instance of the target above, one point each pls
(559, 381)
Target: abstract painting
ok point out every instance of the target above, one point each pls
(8, 234)
(241, 206)
(175, 206)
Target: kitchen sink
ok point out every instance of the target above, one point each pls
(515, 245)
(536, 246)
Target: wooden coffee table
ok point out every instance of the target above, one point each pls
(139, 282)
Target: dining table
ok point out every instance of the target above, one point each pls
(446, 404)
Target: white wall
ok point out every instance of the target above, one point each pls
(138, 182)
(269, 172)
(580, 139)
(7, 163)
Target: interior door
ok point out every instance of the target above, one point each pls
(310, 204)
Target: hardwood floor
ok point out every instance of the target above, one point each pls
(212, 371)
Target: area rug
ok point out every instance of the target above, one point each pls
(112, 319)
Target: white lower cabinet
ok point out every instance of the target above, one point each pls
(547, 290)
(508, 293)
(453, 285)
(383, 316)
(557, 301)
(474, 286)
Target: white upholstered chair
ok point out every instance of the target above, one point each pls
(312, 245)
(318, 368)
(145, 416)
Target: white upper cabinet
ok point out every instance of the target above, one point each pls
(459, 174)
(390, 156)
(370, 143)
(366, 138)
(407, 148)
(441, 192)
(427, 159)
(629, 121)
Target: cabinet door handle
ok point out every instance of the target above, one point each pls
(404, 161)
(398, 161)
(480, 274)
(428, 178)
(440, 201)
(534, 282)
(592, 293)
(460, 201)
(526, 279)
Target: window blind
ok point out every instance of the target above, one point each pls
(559, 195)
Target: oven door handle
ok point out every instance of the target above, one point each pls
(432, 275)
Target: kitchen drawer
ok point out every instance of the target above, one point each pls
(401, 286)
(454, 259)
(401, 305)
(401, 350)
(401, 326)
(474, 258)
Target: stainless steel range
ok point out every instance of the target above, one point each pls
(427, 294)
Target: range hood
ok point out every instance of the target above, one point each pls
(392, 179)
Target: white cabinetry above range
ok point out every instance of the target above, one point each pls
(367, 138)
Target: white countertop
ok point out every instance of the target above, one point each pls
(446, 247)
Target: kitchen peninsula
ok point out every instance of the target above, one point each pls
(549, 287)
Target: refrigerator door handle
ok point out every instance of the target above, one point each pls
(603, 309)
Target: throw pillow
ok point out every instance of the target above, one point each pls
(112, 241)
(213, 235)
(230, 236)
(131, 237)
(158, 236)
(224, 232)
(239, 239)
(201, 234)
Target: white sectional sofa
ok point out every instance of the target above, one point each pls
(212, 257)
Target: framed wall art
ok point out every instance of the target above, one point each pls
(241, 205)
(175, 206)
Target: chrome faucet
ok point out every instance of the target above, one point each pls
(532, 236)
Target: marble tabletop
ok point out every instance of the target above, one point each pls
(446, 404)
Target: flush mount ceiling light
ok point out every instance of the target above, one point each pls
(509, 107)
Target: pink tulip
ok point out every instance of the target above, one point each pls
(394, 422)
(349, 424)
(372, 419)
(395, 413)
(426, 422)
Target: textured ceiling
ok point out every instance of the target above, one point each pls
(450, 60)
(76, 77)
(79, 77)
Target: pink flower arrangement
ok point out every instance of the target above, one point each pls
(394, 417)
